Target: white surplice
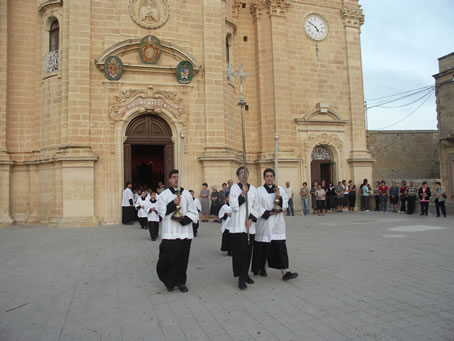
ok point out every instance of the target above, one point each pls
(153, 215)
(225, 209)
(172, 229)
(239, 212)
(127, 194)
(272, 228)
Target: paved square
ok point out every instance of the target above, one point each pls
(359, 280)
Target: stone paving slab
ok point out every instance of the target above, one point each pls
(358, 281)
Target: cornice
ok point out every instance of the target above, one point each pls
(272, 7)
(49, 3)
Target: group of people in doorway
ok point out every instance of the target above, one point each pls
(253, 230)
(342, 198)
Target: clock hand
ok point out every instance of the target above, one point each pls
(313, 25)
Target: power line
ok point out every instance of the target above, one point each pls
(427, 89)
(399, 93)
(403, 105)
(429, 95)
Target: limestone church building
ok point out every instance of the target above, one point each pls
(94, 93)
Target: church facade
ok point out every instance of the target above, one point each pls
(94, 93)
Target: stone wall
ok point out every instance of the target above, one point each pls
(445, 115)
(404, 154)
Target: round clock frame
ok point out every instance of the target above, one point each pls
(316, 29)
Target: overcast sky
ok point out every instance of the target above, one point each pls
(401, 43)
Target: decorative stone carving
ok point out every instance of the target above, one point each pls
(320, 153)
(184, 72)
(236, 5)
(353, 17)
(51, 62)
(149, 13)
(229, 72)
(158, 101)
(150, 49)
(113, 68)
(273, 7)
(313, 140)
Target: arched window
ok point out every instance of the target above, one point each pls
(229, 66)
(54, 35)
(227, 48)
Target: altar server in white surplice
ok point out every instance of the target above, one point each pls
(176, 236)
(127, 205)
(270, 237)
(198, 205)
(225, 215)
(241, 249)
(153, 217)
(142, 209)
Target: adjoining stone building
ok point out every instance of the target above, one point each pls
(404, 154)
(444, 85)
(122, 80)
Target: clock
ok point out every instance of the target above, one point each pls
(315, 26)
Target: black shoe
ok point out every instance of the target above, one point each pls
(183, 288)
(438, 216)
(249, 280)
(255, 273)
(153, 239)
(129, 224)
(263, 273)
(289, 275)
(229, 253)
(241, 284)
(169, 289)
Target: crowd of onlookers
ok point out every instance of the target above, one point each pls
(341, 198)
(328, 197)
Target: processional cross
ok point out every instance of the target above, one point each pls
(241, 75)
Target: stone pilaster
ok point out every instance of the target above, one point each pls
(5, 162)
(360, 159)
(270, 18)
(213, 76)
(76, 64)
(74, 159)
(74, 190)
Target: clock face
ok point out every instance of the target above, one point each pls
(315, 26)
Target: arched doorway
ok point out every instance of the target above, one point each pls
(322, 165)
(148, 151)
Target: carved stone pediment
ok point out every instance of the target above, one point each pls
(148, 100)
(172, 53)
(321, 115)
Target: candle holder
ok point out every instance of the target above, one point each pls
(178, 216)
(277, 203)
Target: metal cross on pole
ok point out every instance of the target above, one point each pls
(241, 75)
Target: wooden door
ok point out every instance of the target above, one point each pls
(168, 161)
(315, 172)
(127, 162)
(148, 129)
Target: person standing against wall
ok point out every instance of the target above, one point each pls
(290, 193)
